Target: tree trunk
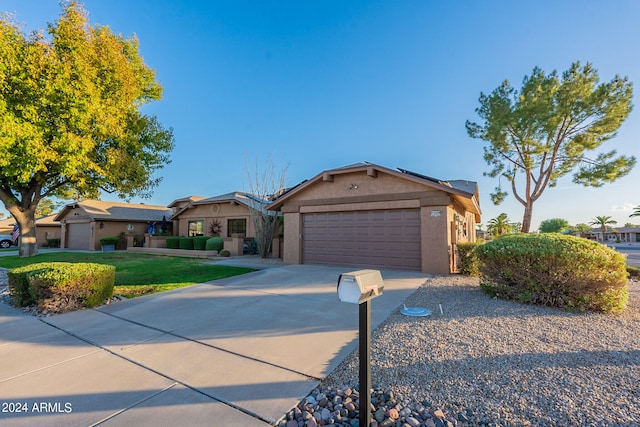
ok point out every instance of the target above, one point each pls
(526, 219)
(27, 223)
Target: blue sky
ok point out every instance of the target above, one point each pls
(321, 84)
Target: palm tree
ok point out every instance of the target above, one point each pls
(636, 212)
(499, 225)
(604, 222)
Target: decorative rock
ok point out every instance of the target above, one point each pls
(438, 414)
(412, 422)
(292, 423)
(326, 414)
(430, 423)
(388, 423)
(393, 414)
(311, 422)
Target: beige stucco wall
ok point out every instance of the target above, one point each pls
(44, 232)
(359, 191)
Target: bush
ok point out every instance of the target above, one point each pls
(173, 242)
(633, 271)
(225, 253)
(468, 263)
(200, 243)
(215, 244)
(555, 270)
(186, 243)
(60, 287)
(53, 243)
(112, 240)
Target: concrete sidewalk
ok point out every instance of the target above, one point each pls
(239, 351)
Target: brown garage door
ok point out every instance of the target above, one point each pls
(78, 236)
(376, 239)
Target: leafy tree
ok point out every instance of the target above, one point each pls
(582, 229)
(546, 129)
(604, 222)
(500, 225)
(46, 207)
(636, 212)
(554, 225)
(69, 117)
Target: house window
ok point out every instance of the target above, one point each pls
(236, 226)
(196, 228)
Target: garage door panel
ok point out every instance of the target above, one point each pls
(378, 239)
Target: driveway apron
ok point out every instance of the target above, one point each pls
(238, 351)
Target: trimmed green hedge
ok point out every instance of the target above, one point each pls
(468, 262)
(555, 270)
(110, 241)
(173, 242)
(60, 286)
(215, 244)
(225, 253)
(200, 243)
(186, 243)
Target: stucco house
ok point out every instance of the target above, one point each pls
(229, 214)
(6, 225)
(617, 234)
(366, 215)
(84, 223)
(47, 228)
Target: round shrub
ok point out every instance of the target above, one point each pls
(200, 243)
(215, 244)
(173, 243)
(555, 270)
(186, 243)
(225, 253)
(61, 286)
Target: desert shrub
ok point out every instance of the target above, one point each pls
(633, 271)
(53, 243)
(200, 243)
(468, 263)
(225, 253)
(173, 242)
(186, 242)
(60, 287)
(555, 270)
(215, 244)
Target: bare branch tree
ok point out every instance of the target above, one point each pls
(263, 187)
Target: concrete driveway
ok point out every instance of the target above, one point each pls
(238, 351)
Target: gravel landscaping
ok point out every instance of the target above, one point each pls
(482, 361)
(485, 361)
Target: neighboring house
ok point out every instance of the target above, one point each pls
(365, 215)
(6, 225)
(178, 205)
(84, 223)
(47, 228)
(617, 234)
(229, 213)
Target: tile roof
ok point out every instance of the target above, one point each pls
(99, 209)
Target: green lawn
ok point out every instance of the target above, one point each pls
(139, 274)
